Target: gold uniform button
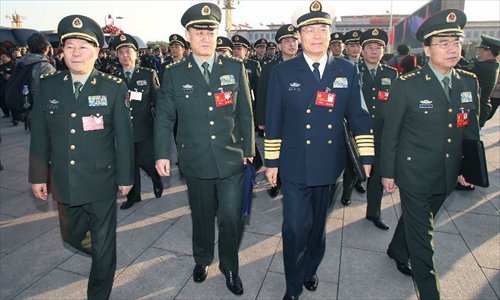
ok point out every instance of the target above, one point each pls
(212, 123)
(213, 137)
(51, 112)
(187, 96)
(109, 166)
(209, 94)
(182, 145)
(308, 111)
(330, 110)
(408, 158)
(308, 126)
(373, 116)
(426, 112)
(72, 162)
(308, 142)
(72, 147)
(373, 97)
(97, 114)
(210, 108)
(449, 140)
(72, 131)
(374, 107)
(131, 117)
(73, 115)
(330, 141)
(330, 126)
(450, 110)
(447, 155)
(450, 125)
(373, 89)
(131, 109)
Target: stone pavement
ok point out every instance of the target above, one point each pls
(154, 243)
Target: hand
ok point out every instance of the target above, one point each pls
(368, 170)
(40, 191)
(124, 189)
(163, 167)
(272, 176)
(388, 184)
(262, 127)
(464, 182)
(250, 159)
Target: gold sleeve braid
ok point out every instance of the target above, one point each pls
(366, 144)
(272, 148)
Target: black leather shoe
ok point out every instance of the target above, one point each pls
(359, 188)
(378, 222)
(200, 273)
(290, 297)
(345, 201)
(404, 268)
(311, 283)
(233, 281)
(274, 191)
(158, 188)
(129, 203)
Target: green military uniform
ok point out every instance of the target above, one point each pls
(224, 43)
(259, 42)
(422, 148)
(87, 143)
(215, 133)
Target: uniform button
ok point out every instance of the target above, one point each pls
(213, 137)
(182, 145)
(449, 140)
(426, 112)
(210, 108)
(72, 147)
(209, 94)
(212, 123)
(97, 114)
(373, 97)
(374, 107)
(308, 142)
(450, 125)
(330, 141)
(308, 126)
(72, 131)
(131, 117)
(373, 89)
(73, 115)
(450, 110)
(308, 111)
(187, 96)
(131, 108)
(72, 162)
(51, 112)
(408, 158)
(109, 166)
(373, 116)
(330, 126)
(447, 155)
(330, 110)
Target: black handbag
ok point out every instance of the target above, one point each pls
(353, 153)
(473, 167)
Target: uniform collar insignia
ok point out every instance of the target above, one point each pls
(93, 82)
(190, 65)
(220, 61)
(427, 77)
(65, 78)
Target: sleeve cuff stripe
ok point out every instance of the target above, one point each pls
(271, 155)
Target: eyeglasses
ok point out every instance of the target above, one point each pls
(311, 30)
(445, 44)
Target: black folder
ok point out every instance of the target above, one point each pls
(474, 163)
(353, 153)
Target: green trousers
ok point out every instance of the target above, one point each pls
(221, 198)
(374, 191)
(91, 228)
(413, 239)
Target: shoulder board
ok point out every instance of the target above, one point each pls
(466, 73)
(147, 69)
(390, 67)
(410, 75)
(51, 74)
(175, 63)
(110, 77)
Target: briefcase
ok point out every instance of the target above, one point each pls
(473, 167)
(353, 153)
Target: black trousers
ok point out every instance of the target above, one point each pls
(374, 191)
(305, 211)
(350, 179)
(221, 198)
(144, 159)
(91, 228)
(413, 239)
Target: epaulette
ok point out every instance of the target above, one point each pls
(110, 77)
(391, 68)
(51, 74)
(466, 73)
(147, 69)
(409, 75)
(175, 63)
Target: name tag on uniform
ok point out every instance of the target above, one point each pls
(227, 80)
(383, 95)
(386, 81)
(465, 97)
(91, 123)
(325, 99)
(462, 119)
(223, 99)
(340, 83)
(135, 95)
(98, 100)
(142, 82)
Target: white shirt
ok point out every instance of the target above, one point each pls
(322, 64)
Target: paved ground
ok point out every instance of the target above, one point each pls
(154, 243)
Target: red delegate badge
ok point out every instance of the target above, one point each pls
(91, 123)
(325, 99)
(223, 99)
(462, 119)
(383, 95)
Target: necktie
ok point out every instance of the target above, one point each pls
(78, 86)
(127, 76)
(206, 72)
(446, 87)
(316, 71)
(372, 74)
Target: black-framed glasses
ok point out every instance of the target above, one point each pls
(445, 44)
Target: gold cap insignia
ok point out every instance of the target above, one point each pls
(336, 35)
(291, 28)
(375, 32)
(315, 6)
(355, 34)
(174, 37)
(236, 38)
(451, 18)
(219, 41)
(205, 11)
(123, 38)
(77, 23)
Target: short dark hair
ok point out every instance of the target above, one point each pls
(403, 49)
(495, 52)
(38, 42)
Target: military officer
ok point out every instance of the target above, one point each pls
(143, 86)
(376, 79)
(432, 111)
(287, 44)
(304, 141)
(209, 94)
(260, 50)
(337, 44)
(352, 45)
(270, 50)
(177, 45)
(82, 133)
(224, 46)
